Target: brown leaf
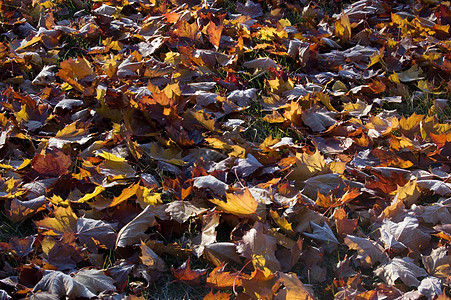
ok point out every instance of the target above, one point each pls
(51, 162)
(260, 248)
(151, 259)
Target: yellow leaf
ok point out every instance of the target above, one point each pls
(64, 220)
(99, 189)
(282, 222)
(238, 203)
(71, 130)
(259, 262)
(146, 197)
(325, 99)
(308, 166)
(411, 122)
(398, 143)
(172, 90)
(22, 115)
(278, 85)
(57, 200)
(410, 192)
(34, 40)
(376, 57)
(343, 27)
(275, 117)
(111, 157)
(125, 195)
(394, 78)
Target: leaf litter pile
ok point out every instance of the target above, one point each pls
(248, 150)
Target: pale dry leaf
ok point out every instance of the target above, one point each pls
(438, 263)
(95, 280)
(62, 285)
(430, 287)
(181, 211)
(402, 268)
(406, 232)
(212, 183)
(247, 166)
(256, 243)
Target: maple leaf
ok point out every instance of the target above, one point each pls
(218, 278)
(62, 285)
(51, 162)
(369, 252)
(187, 275)
(261, 285)
(430, 287)
(64, 221)
(95, 234)
(239, 202)
(324, 235)
(402, 268)
(151, 259)
(406, 232)
(438, 263)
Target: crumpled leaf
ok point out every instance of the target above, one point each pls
(134, 230)
(430, 287)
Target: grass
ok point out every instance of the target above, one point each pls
(423, 105)
(9, 229)
(168, 288)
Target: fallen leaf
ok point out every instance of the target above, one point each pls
(187, 275)
(402, 268)
(239, 202)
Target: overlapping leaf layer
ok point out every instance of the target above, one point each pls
(244, 150)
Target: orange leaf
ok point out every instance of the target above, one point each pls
(220, 279)
(261, 286)
(240, 203)
(187, 275)
(217, 296)
(214, 33)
